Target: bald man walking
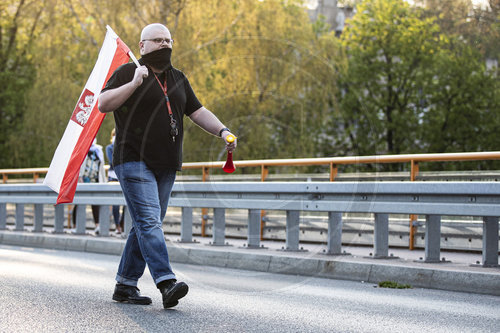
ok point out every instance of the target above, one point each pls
(149, 104)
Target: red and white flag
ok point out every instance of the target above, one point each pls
(85, 121)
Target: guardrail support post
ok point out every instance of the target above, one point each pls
(187, 225)
(264, 171)
(381, 236)
(333, 171)
(3, 216)
(19, 217)
(253, 228)
(204, 211)
(104, 220)
(127, 222)
(38, 223)
(413, 231)
(414, 169)
(219, 227)
(490, 241)
(81, 219)
(59, 219)
(70, 215)
(432, 238)
(334, 233)
(292, 230)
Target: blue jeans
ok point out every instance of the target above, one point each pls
(147, 193)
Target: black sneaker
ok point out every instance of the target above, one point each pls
(172, 292)
(129, 294)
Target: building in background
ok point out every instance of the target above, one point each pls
(334, 15)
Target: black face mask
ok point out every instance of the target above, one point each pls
(159, 59)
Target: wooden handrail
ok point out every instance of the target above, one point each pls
(24, 171)
(476, 156)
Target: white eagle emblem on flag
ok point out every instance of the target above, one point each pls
(83, 108)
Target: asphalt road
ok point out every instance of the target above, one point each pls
(61, 291)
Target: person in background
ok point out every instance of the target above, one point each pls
(92, 171)
(113, 178)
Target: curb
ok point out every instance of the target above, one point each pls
(332, 267)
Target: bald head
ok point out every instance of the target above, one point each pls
(153, 30)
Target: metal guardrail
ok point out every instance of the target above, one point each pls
(333, 162)
(432, 199)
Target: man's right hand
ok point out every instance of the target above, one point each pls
(139, 75)
(111, 99)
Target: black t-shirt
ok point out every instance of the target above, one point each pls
(143, 122)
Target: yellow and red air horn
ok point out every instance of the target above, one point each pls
(229, 166)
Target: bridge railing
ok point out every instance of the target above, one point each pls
(432, 199)
(333, 162)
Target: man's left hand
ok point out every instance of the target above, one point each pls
(230, 146)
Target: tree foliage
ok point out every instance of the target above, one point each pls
(409, 88)
(264, 70)
(477, 26)
(390, 51)
(19, 22)
(401, 79)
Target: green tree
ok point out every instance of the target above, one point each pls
(463, 102)
(265, 70)
(408, 87)
(18, 29)
(478, 26)
(405, 73)
(389, 51)
(461, 112)
(67, 40)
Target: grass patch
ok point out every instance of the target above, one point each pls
(394, 285)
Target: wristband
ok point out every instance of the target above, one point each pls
(222, 130)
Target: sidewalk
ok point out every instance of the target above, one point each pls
(458, 275)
